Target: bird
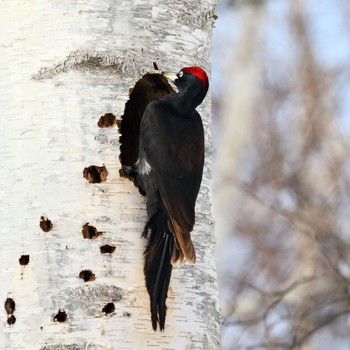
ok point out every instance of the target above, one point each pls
(169, 171)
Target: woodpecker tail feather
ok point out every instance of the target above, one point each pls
(158, 266)
(183, 247)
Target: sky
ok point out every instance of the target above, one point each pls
(328, 27)
(328, 30)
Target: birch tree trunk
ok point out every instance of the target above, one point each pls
(63, 65)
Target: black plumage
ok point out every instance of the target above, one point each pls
(169, 171)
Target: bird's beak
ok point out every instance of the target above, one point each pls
(170, 76)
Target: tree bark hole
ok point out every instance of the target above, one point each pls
(149, 88)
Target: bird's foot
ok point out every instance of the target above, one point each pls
(133, 175)
(128, 171)
(144, 233)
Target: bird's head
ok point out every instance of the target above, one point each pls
(194, 78)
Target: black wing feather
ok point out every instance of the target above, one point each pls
(175, 152)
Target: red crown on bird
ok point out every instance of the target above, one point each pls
(199, 73)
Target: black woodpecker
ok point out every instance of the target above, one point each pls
(169, 171)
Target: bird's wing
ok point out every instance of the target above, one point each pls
(175, 151)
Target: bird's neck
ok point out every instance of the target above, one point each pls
(187, 100)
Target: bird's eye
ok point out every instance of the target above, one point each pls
(181, 73)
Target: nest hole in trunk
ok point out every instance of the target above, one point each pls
(151, 87)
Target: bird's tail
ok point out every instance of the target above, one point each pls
(158, 265)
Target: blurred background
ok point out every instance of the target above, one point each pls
(281, 112)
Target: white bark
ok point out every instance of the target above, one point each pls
(237, 120)
(240, 105)
(63, 65)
